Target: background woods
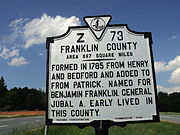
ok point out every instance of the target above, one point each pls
(20, 98)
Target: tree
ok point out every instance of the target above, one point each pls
(11, 100)
(35, 100)
(174, 102)
(3, 91)
(3, 87)
(25, 99)
(163, 102)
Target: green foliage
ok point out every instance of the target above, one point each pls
(161, 128)
(169, 113)
(163, 101)
(70, 130)
(169, 103)
(3, 91)
(3, 86)
(26, 99)
(27, 130)
(63, 130)
(35, 132)
(174, 102)
(20, 98)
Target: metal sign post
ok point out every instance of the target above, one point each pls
(46, 130)
(102, 129)
(100, 73)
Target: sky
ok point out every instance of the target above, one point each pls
(25, 24)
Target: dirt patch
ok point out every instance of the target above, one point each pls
(23, 113)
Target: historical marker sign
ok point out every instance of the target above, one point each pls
(100, 72)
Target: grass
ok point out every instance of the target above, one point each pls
(169, 113)
(57, 130)
(24, 131)
(161, 128)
